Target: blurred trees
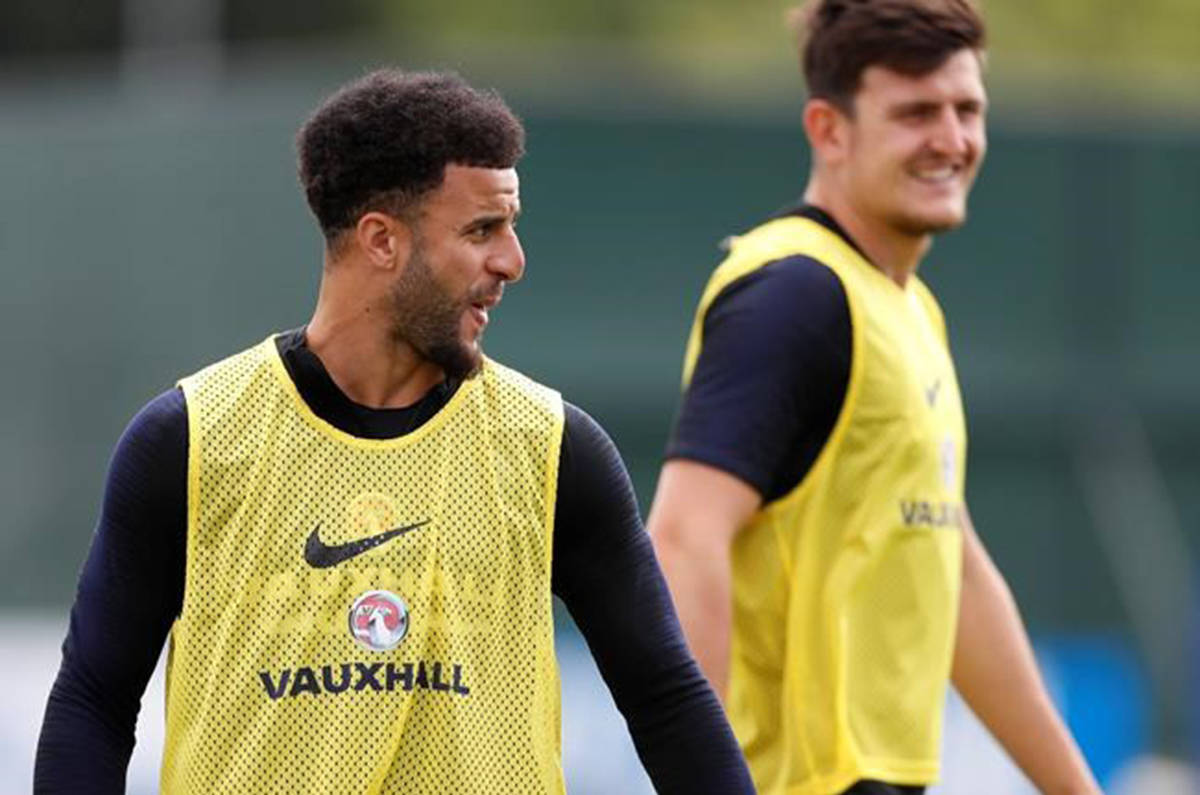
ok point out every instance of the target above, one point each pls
(1147, 31)
(1099, 42)
(1090, 31)
(1148, 49)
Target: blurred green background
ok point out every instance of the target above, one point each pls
(150, 222)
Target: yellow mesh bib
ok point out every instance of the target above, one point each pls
(365, 615)
(846, 589)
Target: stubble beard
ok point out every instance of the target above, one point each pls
(427, 318)
(919, 225)
(915, 226)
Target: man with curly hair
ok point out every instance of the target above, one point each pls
(351, 532)
(811, 517)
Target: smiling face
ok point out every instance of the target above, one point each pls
(909, 153)
(464, 250)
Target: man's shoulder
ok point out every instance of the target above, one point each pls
(811, 234)
(793, 290)
(242, 362)
(520, 386)
(161, 424)
(800, 275)
(793, 254)
(512, 375)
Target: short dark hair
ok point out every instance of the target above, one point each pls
(382, 142)
(841, 38)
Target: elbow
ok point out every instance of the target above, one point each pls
(664, 530)
(695, 545)
(671, 538)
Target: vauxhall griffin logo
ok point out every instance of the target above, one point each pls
(379, 620)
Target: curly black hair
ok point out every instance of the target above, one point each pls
(382, 142)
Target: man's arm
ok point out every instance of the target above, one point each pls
(605, 572)
(130, 591)
(697, 511)
(764, 396)
(995, 672)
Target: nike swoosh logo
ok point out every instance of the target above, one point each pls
(321, 556)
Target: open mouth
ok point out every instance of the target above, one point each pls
(937, 175)
(479, 308)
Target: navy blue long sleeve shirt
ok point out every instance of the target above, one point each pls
(604, 570)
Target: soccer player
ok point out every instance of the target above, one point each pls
(810, 517)
(351, 532)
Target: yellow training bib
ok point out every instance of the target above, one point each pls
(846, 589)
(365, 616)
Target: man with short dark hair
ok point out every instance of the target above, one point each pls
(810, 517)
(352, 530)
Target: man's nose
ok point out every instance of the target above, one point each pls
(951, 135)
(509, 262)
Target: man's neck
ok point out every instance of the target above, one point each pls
(895, 254)
(367, 363)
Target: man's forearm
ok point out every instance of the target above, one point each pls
(604, 571)
(699, 580)
(697, 512)
(996, 673)
(84, 745)
(130, 591)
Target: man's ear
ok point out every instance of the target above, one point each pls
(828, 130)
(384, 239)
